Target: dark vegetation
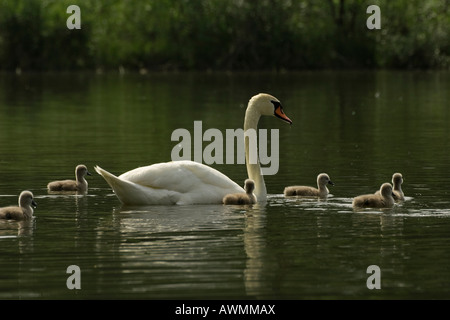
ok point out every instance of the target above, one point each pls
(223, 35)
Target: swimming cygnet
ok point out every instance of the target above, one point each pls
(322, 180)
(242, 198)
(397, 180)
(80, 184)
(382, 200)
(23, 212)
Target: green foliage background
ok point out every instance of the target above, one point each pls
(223, 35)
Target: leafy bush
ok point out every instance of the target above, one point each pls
(223, 35)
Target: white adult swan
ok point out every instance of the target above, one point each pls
(189, 182)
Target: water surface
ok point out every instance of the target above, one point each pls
(359, 127)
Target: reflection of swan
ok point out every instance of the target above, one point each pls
(23, 212)
(322, 180)
(256, 276)
(80, 184)
(242, 198)
(189, 182)
(382, 200)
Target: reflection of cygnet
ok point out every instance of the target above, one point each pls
(322, 191)
(242, 198)
(382, 200)
(397, 180)
(80, 184)
(23, 212)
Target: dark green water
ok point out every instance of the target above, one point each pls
(359, 127)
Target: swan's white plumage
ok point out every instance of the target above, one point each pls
(175, 182)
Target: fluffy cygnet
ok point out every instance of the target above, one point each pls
(242, 198)
(80, 184)
(397, 180)
(384, 199)
(23, 212)
(322, 191)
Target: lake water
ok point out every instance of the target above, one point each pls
(359, 127)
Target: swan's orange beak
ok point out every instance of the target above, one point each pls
(280, 114)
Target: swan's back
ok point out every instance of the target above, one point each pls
(175, 182)
(181, 176)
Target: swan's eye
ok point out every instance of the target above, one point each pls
(276, 104)
(278, 111)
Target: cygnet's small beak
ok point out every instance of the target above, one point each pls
(33, 203)
(331, 182)
(88, 173)
(280, 114)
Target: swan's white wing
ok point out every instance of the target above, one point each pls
(134, 194)
(180, 182)
(181, 176)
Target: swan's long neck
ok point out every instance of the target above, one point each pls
(254, 170)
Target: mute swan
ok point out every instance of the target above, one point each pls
(397, 180)
(382, 200)
(80, 184)
(23, 212)
(189, 182)
(322, 180)
(242, 198)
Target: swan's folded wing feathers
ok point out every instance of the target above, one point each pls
(215, 178)
(132, 193)
(180, 176)
(181, 182)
